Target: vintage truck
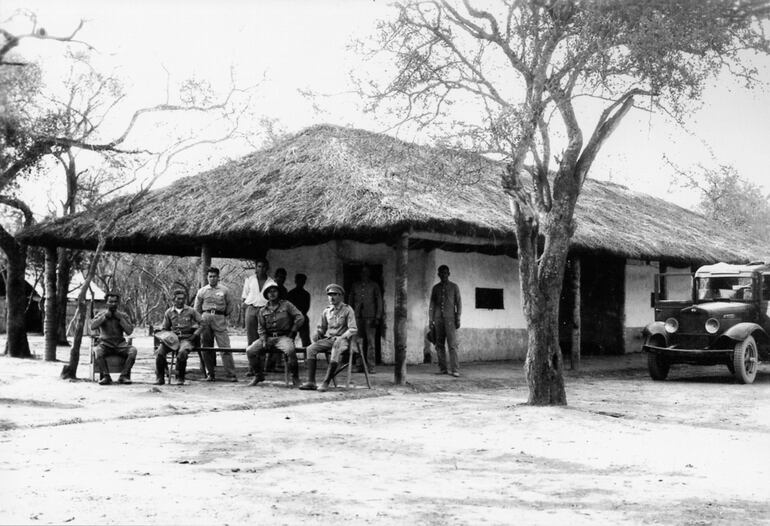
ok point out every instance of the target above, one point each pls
(717, 316)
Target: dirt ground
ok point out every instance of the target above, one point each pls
(694, 449)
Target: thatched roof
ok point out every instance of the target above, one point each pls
(329, 182)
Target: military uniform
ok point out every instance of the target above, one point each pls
(444, 313)
(215, 305)
(278, 324)
(186, 324)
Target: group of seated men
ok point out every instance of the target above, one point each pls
(184, 326)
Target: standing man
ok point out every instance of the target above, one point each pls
(185, 323)
(338, 325)
(366, 300)
(280, 279)
(113, 326)
(279, 321)
(300, 298)
(215, 303)
(444, 314)
(254, 299)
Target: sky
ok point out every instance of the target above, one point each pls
(292, 45)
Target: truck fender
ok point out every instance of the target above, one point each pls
(654, 329)
(740, 331)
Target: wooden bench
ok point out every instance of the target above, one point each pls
(300, 351)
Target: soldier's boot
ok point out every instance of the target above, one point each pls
(329, 375)
(294, 368)
(125, 375)
(160, 369)
(255, 363)
(310, 384)
(100, 364)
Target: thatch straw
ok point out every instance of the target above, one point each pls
(329, 182)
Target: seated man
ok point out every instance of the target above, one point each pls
(338, 325)
(278, 322)
(113, 326)
(185, 323)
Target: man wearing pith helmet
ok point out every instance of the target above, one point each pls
(338, 324)
(279, 322)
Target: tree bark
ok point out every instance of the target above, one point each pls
(576, 328)
(63, 279)
(541, 273)
(16, 344)
(400, 309)
(50, 321)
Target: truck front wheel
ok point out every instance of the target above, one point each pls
(658, 367)
(745, 360)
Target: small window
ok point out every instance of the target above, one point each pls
(765, 287)
(489, 299)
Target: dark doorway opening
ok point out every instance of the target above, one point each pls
(351, 273)
(602, 305)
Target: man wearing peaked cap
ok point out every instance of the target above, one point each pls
(338, 325)
(182, 326)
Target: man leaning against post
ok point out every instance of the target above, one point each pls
(338, 324)
(113, 326)
(279, 321)
(214, 302)
(444, 314)
(183, 325)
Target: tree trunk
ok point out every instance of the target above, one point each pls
(50, 320)
(542, 259)
(63, 278)
(16, 299)
(576, 319)
(400, 309)
(203, 267)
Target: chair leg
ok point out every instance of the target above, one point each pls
(170, 365)
(366, 371)
(286, 368)
(350, 364)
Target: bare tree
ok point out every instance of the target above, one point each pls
(525, 66)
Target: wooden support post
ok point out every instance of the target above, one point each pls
(205, 263)
(575, 354)
(400, 308)
(50, 325)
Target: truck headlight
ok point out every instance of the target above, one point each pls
(672, 325)
(712, 325)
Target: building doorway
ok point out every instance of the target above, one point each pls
(351, 273)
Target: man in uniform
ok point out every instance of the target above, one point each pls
(214, 302)
(300, 298)
(338, 325)
(279, 321)
(280, 279)
(444, 315)
(185, 323)
(113, 326)
(254, 299)
(366, 300)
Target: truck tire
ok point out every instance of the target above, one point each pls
(658, 367)
(745, 360)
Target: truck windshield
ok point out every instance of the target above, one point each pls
(720, 288)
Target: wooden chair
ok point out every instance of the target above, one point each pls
(115, 363)
(171, 361)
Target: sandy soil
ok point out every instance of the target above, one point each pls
(691, 450)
